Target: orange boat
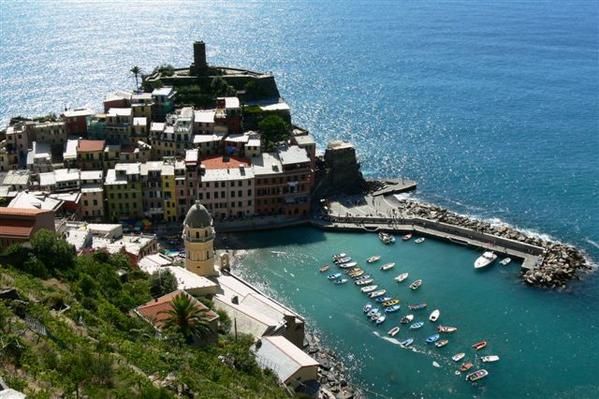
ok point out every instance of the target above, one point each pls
(466, 366)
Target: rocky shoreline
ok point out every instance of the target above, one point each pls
(558, 264)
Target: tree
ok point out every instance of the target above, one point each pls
(187, 318)
(136, 71)
(274, 129)
(162, 282)
(57, 255)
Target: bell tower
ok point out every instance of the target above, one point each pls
(198, 236)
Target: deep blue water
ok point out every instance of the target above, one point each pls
(492, 106)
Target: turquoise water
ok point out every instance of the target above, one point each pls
(547, 341)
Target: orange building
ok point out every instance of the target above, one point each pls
(17, 225)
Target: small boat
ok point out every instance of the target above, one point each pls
(341, 281)
(382, 299)
(324, 268)
(419, 240)
(479, 345)
(386, 238)
(417, 306)
(367, 308)
(505, 261)
(432, 338)
(485, 260)
(441, 343)
(407, 342)
(375, 316)
(477, 375)
(345, 259)
(458, 356)
(373, 259)
(369, 288)
(334, 276)
(356, 274)
(416, 284)
(490, 359)
(434, 315)
(416, 326)
(407, 237)
(391, 309)
(377, 293)
(407, 319)
(373, 311)
(339, 256)
(381, 319)
(466, 366)
(401, 277)
(393, 332)
(348, 265)
(390, 302)
(364, 281)
(387, 266)
(446, 329)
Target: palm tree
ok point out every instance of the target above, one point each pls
(136, 71)
(189, 319)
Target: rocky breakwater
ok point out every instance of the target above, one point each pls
(332, 374)
(558, 264)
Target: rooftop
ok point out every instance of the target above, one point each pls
(266, 164)
(16, 178)
(77, 112)
(292, 155)
(70, 151)
(230, 102)
(204, 116)
(287, 358)
(119, 95)
(119, 112)
(91, 145)
(220, 162)
(28, 200)
(163, 91)
(281, 106)
(91, 175)
(207, 138)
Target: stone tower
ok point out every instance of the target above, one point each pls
(199, 66)
(198, 235)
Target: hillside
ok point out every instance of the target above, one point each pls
(65, 331)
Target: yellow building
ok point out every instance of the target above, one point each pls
(169, 192)
(198, 235)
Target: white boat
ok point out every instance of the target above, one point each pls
(388, 266)
(386, 238)
(490, 358)
(485, 260)
(434, 315)
(381, 319)
(416, 284)
(348, 265)
(369, 288)
(401, 277)
(393, 332)
(373, 259)
(378, 293)
(505, 261)
(458, 356)
(407, 319)
(364, 281)
(367, 308)
(419, 240)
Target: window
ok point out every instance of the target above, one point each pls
(85, 203)
(232, 194)
(249, 192)
(216, 195)
(239, 193)
(95, 202)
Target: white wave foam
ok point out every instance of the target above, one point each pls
(593, 243)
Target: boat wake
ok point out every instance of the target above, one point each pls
(593, 243)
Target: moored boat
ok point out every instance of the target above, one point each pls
(381, 319)
(477, 375)
(393, 332)
(416, 284)
(387, 266)
(458, 356)
(434, 315)
(392, 309)
(479, 345)
(417, 306)
(407, 342)
(373, 259)
(401, 277)
(341, 281)
(373, 311)
(466, 366)
(390, 302)
(334, 276)
(377, 293)
(446, 329)
(348, 265)
(356, 274)
(339, 256)
(324, 268)
(416, 326)
(505, 261)
(382, 299)
(369, 288)
(407, 237)
(386, 238)
(490, 358)
(367, 308)
(485, 259)
(441, 343)
(343, 260)
(432, 338)
(364, 281)
(407, 319)
(419, 240)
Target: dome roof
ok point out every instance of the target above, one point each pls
(198, 217)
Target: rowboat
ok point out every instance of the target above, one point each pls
(387, 266)
(364, 281)
(373, 312)
(348, 265)
(416, 326)
(369, 288)
(356, 274)
(458, 356)
(466, 366)
(479, 345)
(417, 306)
(505, 261)
(345, 259)
(341, 281)
(334, 276)
(390, 302)
(416, 284)
(367, 308)
(393, 332)
(407, 342)
(441, 343)
(419, 240)
(382, 299)
(406, 237)
(407, 319)
(391, 309)
(324, 268)
(434, 315)
(377, 293)
(432, 338)
(339, 256)
(401, 277)
(381, 319)
(490, 359)
(477, 375)
(446, 329)
(373, 259)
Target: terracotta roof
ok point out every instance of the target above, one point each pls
(16, 228)
(90, 145)
(218, 162)
(154, 311)
(5, 211)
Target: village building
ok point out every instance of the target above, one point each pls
(18, 225)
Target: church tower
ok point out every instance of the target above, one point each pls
(198, 235)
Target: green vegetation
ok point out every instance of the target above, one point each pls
(165, 69)
(188, 320)
(136, 71)
(274, 130)
(162, 282)
(68, 332)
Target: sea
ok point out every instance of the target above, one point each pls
(491, 106)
